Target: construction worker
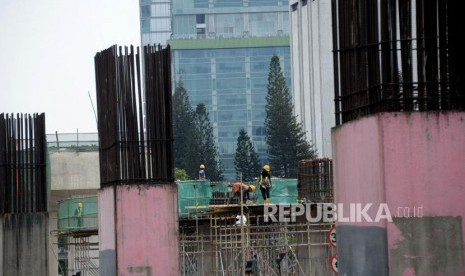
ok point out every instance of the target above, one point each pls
(264, 180)
(246, 189)
(202, 172)
(78, 214)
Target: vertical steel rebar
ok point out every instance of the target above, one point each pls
(135, 142)
(397, 56)
(23, 182)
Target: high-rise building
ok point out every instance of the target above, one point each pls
(221, 50)
(312, 70)
(155, 21)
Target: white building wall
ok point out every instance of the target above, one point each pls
(312, 65)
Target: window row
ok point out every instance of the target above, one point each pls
(231, 25)
(254, 54)
(204, 4)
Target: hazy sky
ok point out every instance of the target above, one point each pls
(47, 51)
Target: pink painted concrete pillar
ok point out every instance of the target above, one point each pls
(414, 163)
(138, 229)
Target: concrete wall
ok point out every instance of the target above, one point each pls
(73, 173)
(143, 220)
(74, 170)
(24, 244)
(414, 162)
(312, 70)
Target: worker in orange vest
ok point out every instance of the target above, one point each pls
(246, 189)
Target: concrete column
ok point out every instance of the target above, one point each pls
(414, 164)
(358, 178)
(25, 244)
(53, 244)
(138, 230)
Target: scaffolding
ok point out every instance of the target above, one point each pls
(78, 236)
(220, 243)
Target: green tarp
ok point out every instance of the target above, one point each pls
(69, 218)
(196, 195)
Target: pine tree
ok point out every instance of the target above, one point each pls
(186, 142)
(208, 153)
(246, 159)
(284, 135)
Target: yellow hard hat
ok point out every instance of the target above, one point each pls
(202, 166)
(80, 205)
(252, 188)
(266, 168)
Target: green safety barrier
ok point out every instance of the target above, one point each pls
(284, 191)
(193, 195)
(196, 195)
(70, 218)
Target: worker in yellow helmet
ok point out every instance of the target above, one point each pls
(78, 213)
(264, 181)
(246, 189)
(202, 172)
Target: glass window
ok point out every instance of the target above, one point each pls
(262, 24)
(260, 3)
(258, 82)
(145, 11)
(230, 67)
(192, 85)
(199, 68)
(227, 3)
(184, 25)
(160, 24)
(162, 9)
(258, 131)
(286, 26)
(259, 66)
(234, 99)
(227, 148)
(260, 147)
(259, 113)
(229, 25)
(260, 53)
(200, 3)
(230, 83)
(259, 99)
(145, 25)
(200, 18)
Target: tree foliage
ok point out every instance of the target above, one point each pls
(180, 174)
(246, 159)
(208, 153)
(284, 135)
(186, 142)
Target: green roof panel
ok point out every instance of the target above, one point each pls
(224, 43)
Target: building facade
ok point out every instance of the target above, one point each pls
(222, 51)
(312, 67)
(155, 21)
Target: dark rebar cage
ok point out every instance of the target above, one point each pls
(315, 181)
(398, 55)
(135, 128)
(23, 181)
